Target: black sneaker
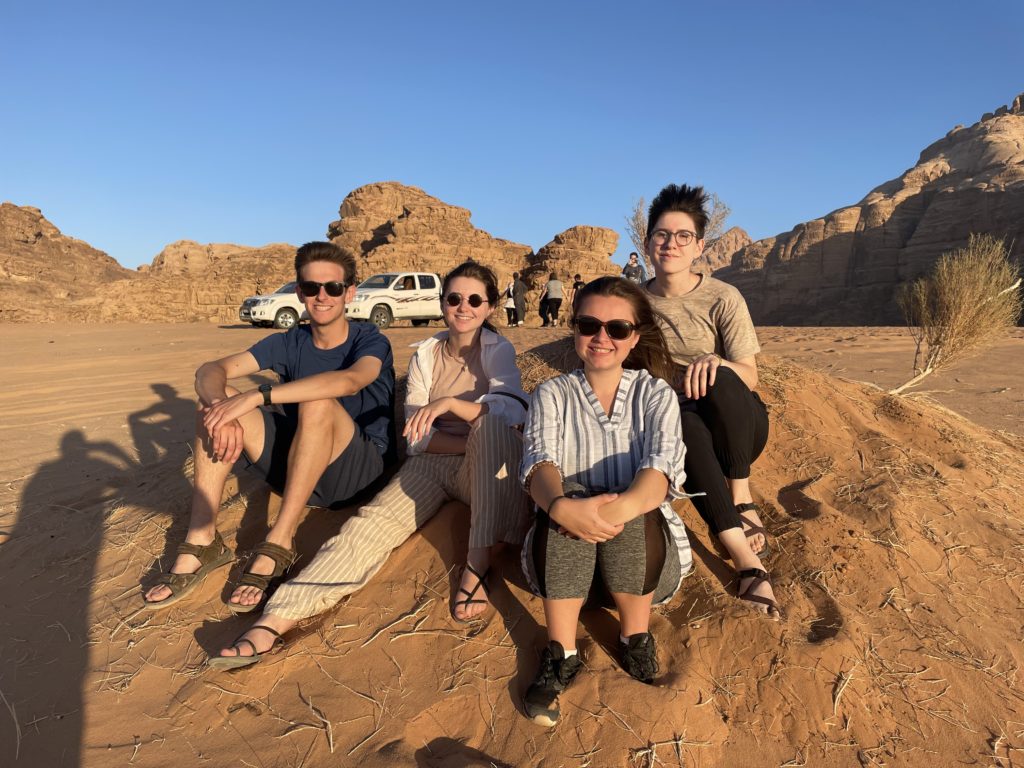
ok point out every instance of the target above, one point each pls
(554, 676)
(639, 657)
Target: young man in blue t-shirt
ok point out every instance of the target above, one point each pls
(337, 383)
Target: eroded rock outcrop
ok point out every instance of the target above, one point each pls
(393, 226)
(190, 281)
(845, 267)
(720, 253)
(42, 270)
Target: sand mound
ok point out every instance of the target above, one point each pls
(898, 542)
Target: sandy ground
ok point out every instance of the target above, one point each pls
(897, 527)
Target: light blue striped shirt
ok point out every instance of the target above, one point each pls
(567, 427)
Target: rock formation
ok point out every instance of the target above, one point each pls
(720, 253)
(844, 268)
(42, 271)
(393, 226)
(188, 281)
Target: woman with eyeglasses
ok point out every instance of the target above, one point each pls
(464, 399)
(713, 343)
(603, 458)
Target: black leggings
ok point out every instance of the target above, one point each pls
(510, 312)
(724, 432)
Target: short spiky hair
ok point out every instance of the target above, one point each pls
(320, 251)
(682, 198)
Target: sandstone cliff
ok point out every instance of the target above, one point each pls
(394, 226)
(720, 253)
(42, 271)
(844, 267)
(189, 281)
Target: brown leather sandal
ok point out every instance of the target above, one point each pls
(753, 529)
(283, 559)
(211, 557)
(758, 576)
(238, 660)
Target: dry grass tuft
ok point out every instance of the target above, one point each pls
(962, 306)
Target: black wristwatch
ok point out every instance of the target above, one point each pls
(265, 389)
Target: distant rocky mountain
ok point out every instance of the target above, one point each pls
(719, 254)
(42, 270)
(390, 226)
(844, 267)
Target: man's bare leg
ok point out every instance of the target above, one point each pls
(209, 478)
(325, 429)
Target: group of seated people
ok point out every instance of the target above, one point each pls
(580, 477)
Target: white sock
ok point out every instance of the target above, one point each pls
(570, 654)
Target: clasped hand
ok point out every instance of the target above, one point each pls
(221, 422)
(581, 518)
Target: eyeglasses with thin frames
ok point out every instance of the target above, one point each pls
(684, 237)
(455, 299)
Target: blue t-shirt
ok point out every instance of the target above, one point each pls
(292, 355)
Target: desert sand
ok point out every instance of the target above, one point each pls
(898, 543)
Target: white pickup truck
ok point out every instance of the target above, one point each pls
(391, 296)
(381, 299)
(280, 309)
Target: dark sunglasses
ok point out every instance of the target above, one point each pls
(455, 299)
(312, 288)
(620, 330)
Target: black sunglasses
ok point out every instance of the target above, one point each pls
(312, 288)
(620, 330)
(455, 299)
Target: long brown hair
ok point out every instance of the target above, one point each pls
(651, 352)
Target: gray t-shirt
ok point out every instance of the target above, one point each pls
(554, 289)
(713, 317)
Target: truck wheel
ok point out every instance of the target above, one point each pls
(285, 318)
(380, 316)
(418, 323)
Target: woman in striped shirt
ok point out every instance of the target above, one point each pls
(603, 458)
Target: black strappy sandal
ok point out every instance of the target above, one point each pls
(753, 530)
(758, 576)
(470, 598)
(238, 660)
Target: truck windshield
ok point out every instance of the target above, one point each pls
(378, 281)
(286, 288)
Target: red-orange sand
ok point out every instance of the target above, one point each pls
(898, 538)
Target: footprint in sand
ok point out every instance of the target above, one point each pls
(828, 619)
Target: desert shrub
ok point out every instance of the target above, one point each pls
(970, 298)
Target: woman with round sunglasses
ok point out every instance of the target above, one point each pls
(464, 398)
(725, 425)
(603, 458)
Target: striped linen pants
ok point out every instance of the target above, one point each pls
(486, 478)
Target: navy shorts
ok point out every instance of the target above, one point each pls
(358, 466)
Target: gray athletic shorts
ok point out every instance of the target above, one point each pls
(358, 466)
(640, 560)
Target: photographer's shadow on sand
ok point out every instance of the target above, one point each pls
(48, 569)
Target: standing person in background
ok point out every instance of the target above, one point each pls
(510, 302)
(553, 294)
(519, 294)
(634, 270)
(725, 425)
(577, 283)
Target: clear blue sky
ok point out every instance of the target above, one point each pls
(132, 125)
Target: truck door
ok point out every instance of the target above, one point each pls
(428, 302)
